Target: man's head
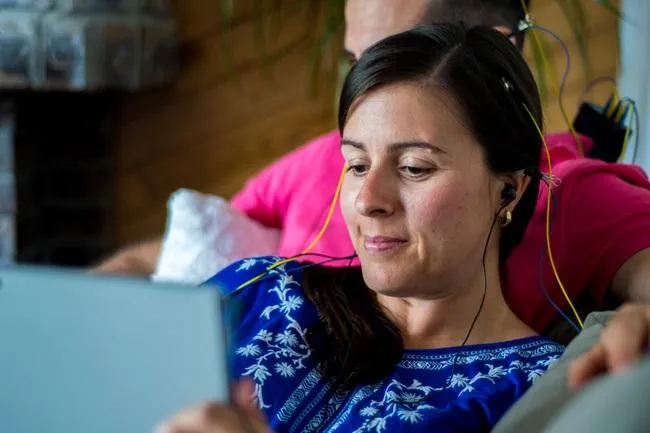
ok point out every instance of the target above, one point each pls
(368, 21)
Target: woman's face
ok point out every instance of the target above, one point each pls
(418, 198)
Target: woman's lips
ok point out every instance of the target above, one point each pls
(381, 244)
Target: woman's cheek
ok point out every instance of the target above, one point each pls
(349, 191)
(438, 207)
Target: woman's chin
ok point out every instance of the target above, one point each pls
(383, 280)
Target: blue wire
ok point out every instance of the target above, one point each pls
(565, 76)
(590, 85)
(567, 56)
(270, 272)
(539, 267)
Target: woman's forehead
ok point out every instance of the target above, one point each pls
(392, 113)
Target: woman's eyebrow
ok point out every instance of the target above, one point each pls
(398, 146)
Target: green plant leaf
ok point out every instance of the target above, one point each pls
(332, 27)
(540, 72)
(227, 8)
(575, 13)
(610, 6)
(227, 13)
(262, 9)
(326, 17)
(344, 65)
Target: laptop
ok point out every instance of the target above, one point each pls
(82, 353)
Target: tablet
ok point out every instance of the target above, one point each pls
(82, 353)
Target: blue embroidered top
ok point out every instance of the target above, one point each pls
(422, 394)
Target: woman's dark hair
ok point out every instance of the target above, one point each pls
(488, 78)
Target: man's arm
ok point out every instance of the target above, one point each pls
(253, 200)
(139, 259)
(632, 281)
(257, 200)
(264, 198)
(606, 234)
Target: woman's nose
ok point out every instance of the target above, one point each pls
(377, 197)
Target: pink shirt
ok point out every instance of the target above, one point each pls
(602, 219)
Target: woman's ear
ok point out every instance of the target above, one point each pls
(518, 182)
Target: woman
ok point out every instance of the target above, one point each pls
(441, 144)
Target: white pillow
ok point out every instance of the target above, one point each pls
(204, 234)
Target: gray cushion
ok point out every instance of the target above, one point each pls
(613, 403)
(546, 398)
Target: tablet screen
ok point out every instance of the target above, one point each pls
(96, 354)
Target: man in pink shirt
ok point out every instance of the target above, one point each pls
(602, 220)
(601, 230)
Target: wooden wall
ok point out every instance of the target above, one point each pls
(210, 132)
(601, 33)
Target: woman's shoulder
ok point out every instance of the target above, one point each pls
(475, 384)
(263, 293)
(252, 272)
(526, 355)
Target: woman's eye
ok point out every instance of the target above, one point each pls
(412, 171)
(358, 169)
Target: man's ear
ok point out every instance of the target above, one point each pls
(505, 31)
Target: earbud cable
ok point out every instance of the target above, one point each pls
(318, 237)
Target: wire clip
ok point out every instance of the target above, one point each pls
(551, 180)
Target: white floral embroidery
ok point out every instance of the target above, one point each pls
(405, 402)
(284, 369)
(287, 338)
(249, 350)
(246, 264)
(409, 403)
(282, 353)
(369, 411)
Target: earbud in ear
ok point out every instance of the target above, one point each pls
(508, 194)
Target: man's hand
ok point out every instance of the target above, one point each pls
(625, 339)
(241, 417)
(140, 259)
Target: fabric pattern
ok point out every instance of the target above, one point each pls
(450, 389)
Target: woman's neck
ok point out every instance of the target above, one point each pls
(445, 322)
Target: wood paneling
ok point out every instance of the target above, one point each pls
(229, 114)
(601, 33)
(234, 109)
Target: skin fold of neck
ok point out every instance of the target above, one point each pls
(445, 322)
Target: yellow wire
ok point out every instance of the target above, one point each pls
(620, 112)
(628, 128)
(623, 110)
(610, 111)
(329, 213)
(551, 74)
(548, 220)
(318, 237)
(615, 101)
